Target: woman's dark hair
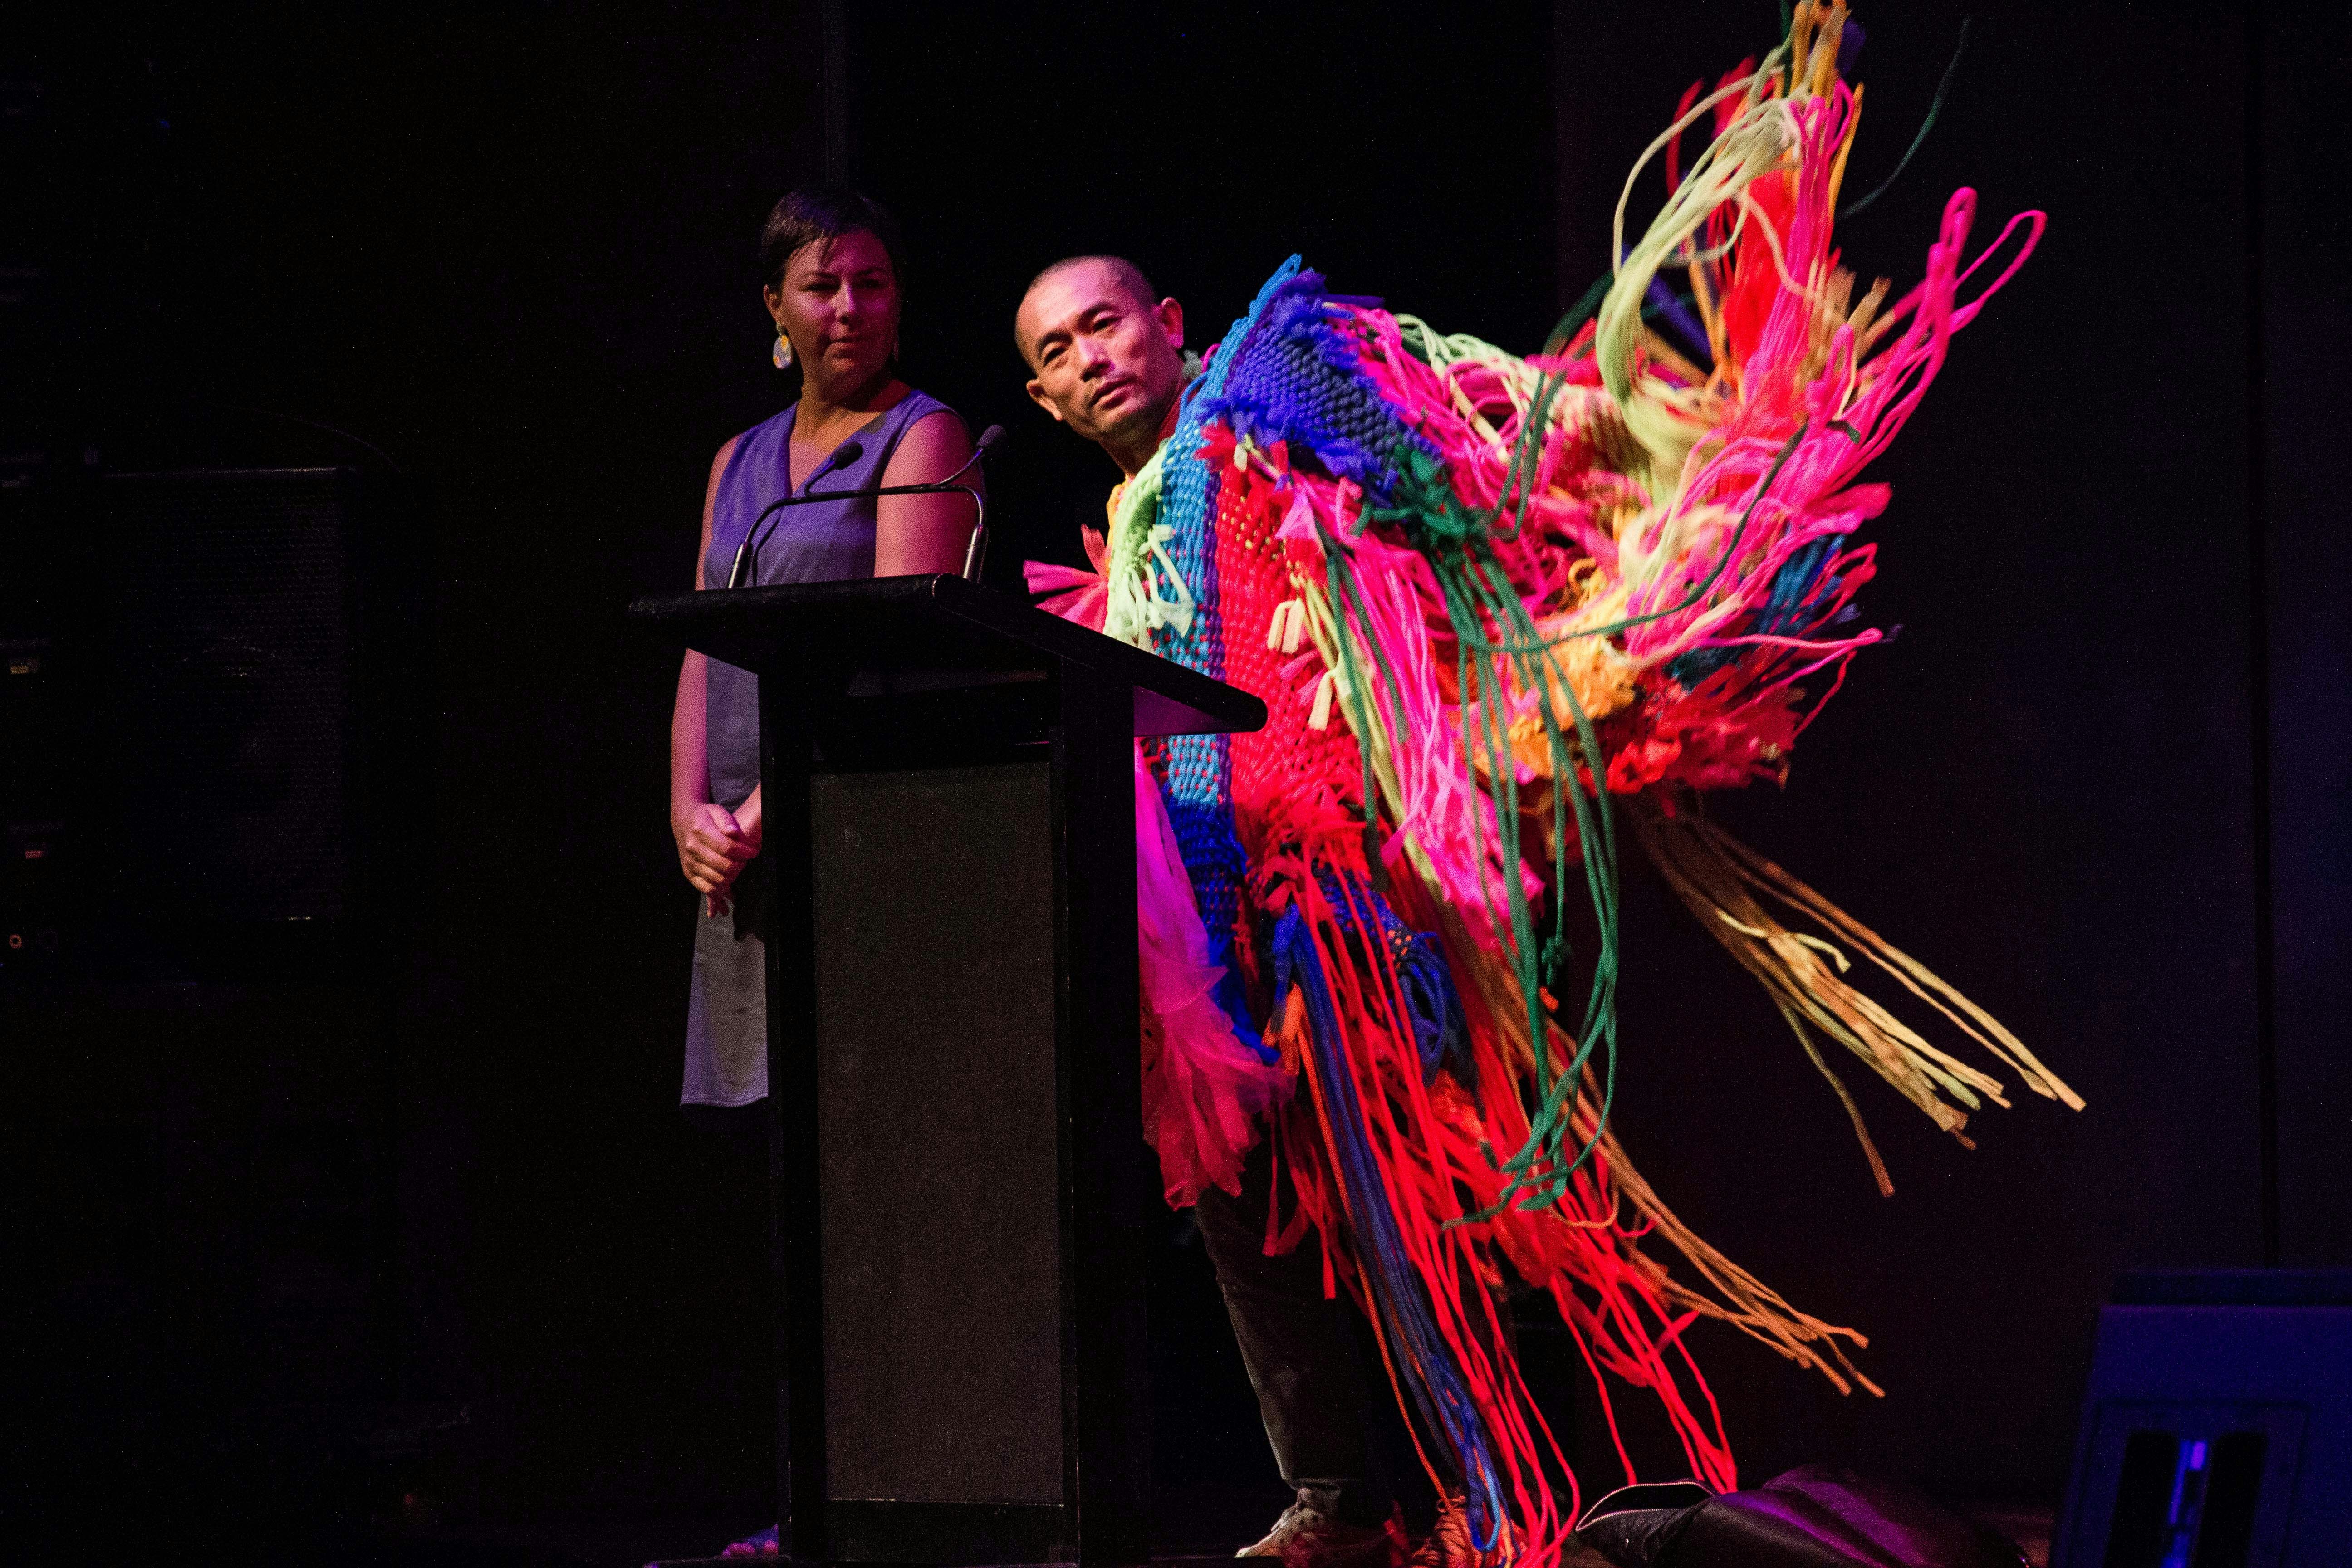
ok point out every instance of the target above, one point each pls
(821, 213)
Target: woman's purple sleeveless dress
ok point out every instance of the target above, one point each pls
(726, 1015)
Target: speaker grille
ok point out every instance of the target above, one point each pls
(937, 1112)
(231, 689)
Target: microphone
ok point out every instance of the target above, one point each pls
(848, 452)
(975, 550)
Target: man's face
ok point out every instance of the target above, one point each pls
(1105, 364)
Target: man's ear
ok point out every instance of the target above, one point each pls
(1038, 396)
(1170, 317)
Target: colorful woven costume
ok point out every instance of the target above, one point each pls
(1499, 609)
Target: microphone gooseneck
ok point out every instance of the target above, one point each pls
(980, 449)
(848, 452)
(975, 548)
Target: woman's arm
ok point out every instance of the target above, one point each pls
(711, 844)
(915, 534)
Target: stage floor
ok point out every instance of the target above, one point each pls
(617, 1541)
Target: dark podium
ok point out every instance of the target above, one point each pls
(954, 1061)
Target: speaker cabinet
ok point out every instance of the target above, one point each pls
(229, 698)
(2217, 1429)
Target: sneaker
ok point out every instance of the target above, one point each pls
(1307, 1537)
(1447, 1545)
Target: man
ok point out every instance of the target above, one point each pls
(1109, 361)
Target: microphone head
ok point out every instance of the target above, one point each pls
(848, 452)
(989, 438)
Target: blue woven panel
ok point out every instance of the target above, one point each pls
(1199, 781)
(1298, 381)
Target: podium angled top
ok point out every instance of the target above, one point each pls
(932, 634)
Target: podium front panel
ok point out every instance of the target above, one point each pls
(944, 1320)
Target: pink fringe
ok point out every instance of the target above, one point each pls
(1084, 598)
(1204, 1091)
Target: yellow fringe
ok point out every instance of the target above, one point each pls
(1725, 883)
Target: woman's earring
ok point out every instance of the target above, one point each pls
(784, 350)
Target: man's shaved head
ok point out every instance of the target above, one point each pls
(1130, 277)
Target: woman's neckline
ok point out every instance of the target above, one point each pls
(793, 483)
(892, 393)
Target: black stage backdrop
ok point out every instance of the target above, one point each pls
(514, 250)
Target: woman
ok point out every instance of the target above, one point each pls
(830, 259)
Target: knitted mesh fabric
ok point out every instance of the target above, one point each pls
(1299, 383)
(1294, 785)
(1198, 774)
